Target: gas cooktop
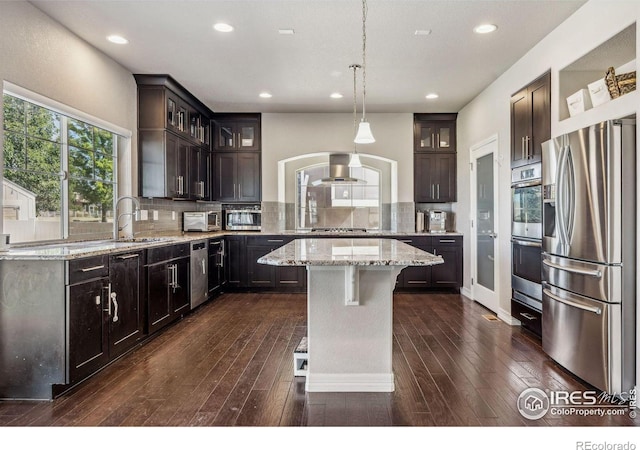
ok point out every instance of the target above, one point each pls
(340, 230)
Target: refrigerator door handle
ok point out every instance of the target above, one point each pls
(594, 310)
(587, 272)
(560, 199)
(571, 191)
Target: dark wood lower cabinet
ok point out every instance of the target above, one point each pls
(126, 324)
(168, 278)
(244, 271)
(105, 311)
(88, 328)
(446, 275)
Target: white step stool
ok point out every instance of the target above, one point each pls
(300, 358)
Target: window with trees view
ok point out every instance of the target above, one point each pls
(59, 174)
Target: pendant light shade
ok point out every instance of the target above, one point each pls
(364, 135)
(354, 161)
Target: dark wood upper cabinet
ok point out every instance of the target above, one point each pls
(434, 159)
(236, 132)
(237, 157)
(174, 130)
(434, 132)
(530, 121)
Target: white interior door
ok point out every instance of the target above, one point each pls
(484, 224)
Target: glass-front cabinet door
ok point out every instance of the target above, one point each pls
(435, 136)
(237, 135)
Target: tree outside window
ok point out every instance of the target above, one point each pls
(45, 155)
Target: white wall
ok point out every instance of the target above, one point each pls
(291, 134)
(489, 113)
(40, 55)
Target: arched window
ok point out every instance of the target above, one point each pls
(354, 205)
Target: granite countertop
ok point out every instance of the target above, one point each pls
(83, 249)
(349, 252)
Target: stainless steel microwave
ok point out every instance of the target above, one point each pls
(243, 219)
(201, 221)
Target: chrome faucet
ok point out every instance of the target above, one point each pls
(116, 224)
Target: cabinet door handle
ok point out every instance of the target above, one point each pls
(433, 194)
(98, 300)
(438, 190)
(108, 289)
(447, 241)
(528, 316)
(522, 148)
(406, 241)
(240, 191)
(433, 140)
(438, 140)
(89, 269)
(115, 305)
(275, 240)
(180, 180)
(204, 268)
(234, 190)
(132, 255)
(529, 155)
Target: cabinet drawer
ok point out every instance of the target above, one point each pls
(159, 254)
(530, 318)
(88, 268)
(421, 242)
(268, 241)
(439, 241)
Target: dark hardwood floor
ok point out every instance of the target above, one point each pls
(230, 363)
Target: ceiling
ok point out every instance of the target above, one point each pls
(227, 71)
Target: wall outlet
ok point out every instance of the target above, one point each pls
(144, 214)
(173, 215)
(155, 214)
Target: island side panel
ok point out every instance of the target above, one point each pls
(32, 328)
(350, 347)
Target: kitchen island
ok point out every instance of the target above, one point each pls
(350, 286)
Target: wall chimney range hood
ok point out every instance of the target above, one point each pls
(338, 171)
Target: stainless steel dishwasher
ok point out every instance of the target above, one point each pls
(199, 271)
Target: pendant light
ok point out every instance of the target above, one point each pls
(364, 135)
(354, 161)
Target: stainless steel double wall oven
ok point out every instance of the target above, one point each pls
(526, 246)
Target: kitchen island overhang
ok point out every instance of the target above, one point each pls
(350, 286)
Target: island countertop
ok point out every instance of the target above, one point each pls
(349, 252)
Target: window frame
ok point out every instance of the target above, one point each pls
(66, 112)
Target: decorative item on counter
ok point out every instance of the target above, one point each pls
(620, 84)
(578, 102)
(4, 242)
(419, 222)
(599, 92)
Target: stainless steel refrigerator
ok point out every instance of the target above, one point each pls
(589, 253)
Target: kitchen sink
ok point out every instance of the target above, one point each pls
(144, 239)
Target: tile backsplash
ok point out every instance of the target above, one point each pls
(278, 216)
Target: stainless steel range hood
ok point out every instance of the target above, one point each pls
(338, 171)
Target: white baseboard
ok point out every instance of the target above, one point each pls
(350, 382)
(505, 316)
(466, 292)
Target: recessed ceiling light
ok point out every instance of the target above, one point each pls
(117, 39)
(336, 95)
(485, 28)
(286, 31)
(223, 27)
(431, 96)
(265, 95)
(422, 32)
